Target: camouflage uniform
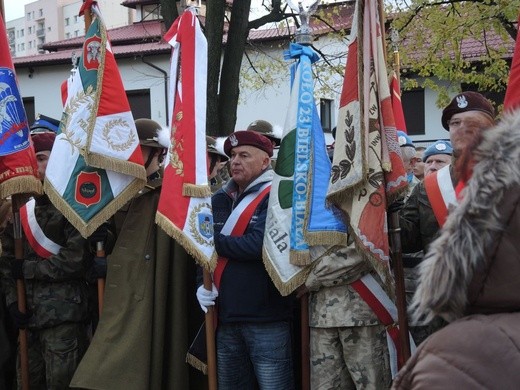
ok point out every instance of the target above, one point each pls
(348, 344)
(56, 295)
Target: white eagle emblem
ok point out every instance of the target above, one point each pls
(461, 101)
(233, 139)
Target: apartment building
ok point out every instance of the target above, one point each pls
(55, 20)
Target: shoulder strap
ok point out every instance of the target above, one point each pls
(41, 244)
(237, 222)
(440, 192)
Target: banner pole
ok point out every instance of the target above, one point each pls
(210, 336)
(17, 201)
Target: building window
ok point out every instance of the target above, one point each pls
(67, 21)
(67, 35)
(413, 107)
(30, 30)
(75, 18)
(22, 46)
(30, 44)
(326, 114)
(28, 16)
(140, 103)
(40, 12)
(28, 104)
(76, 33)
(22, 32)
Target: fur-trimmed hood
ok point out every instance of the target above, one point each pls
(474, 265)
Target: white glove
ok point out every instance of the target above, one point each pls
(207, 298)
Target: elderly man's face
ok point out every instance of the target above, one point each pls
(435, 162)
(247, 163)
(465, 127)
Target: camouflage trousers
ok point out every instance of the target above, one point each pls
(54, 355)
(349, 358)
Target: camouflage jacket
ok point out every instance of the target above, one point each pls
(332, 301)
(56, 290)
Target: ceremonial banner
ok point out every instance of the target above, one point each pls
(184, 210)
(512, 98)
(299, 227)
(18, 168)
(96, 164)
(367, 169)
(397, 105)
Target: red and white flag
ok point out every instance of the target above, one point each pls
(512, 98)
(18, 167)
(397, 104)
(184, 210)
(367, 168)
(96, 164)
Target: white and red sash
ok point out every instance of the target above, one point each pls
(386, 311)
(41, 244)
(440, 192)
(237, 222)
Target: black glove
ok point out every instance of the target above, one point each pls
(17, 269)
(100, 234)
(20, 320)
(100, 267)
(396, 206)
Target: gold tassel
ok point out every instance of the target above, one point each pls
(197, 363)
(21, 185)
(300, 258)
(196, 191)
(116, 165)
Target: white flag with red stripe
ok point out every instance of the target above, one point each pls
(96, 164)
(184, 210)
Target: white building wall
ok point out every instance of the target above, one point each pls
(269, 102)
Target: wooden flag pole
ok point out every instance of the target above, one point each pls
(394, 232)
(210, 336)
(17, 201)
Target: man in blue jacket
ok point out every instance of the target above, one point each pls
(253, 334)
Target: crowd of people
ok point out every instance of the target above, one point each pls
(459, 225)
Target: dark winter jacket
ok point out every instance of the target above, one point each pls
(471, 276)
(246, 291)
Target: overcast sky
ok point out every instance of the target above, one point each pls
(14, 9)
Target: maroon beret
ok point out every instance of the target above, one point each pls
(466, 101)
(252, 138)
(43, 141)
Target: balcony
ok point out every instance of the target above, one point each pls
(40, 33)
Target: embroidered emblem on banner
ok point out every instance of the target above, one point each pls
(92, 53)
(10, 120)
(118, 135)
(88, 188)
(201, 224)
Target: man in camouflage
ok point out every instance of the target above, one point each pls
(56, 290)
(348, 344)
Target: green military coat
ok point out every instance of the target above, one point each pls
(143, 332)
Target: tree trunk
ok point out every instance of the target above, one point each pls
(169, 12)
(214, 28)
(229, 80)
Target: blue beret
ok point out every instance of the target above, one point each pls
(404, 139)
(439, 147)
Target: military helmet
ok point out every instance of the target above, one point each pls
(212, 147)
(152, 133)
(264, 128)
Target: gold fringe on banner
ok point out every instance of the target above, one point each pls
(21, 185)
(116, 165)
(286, 287)
(196, 363)
(300, 258)
(86, 229)
(173, 231)
(196, 191)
